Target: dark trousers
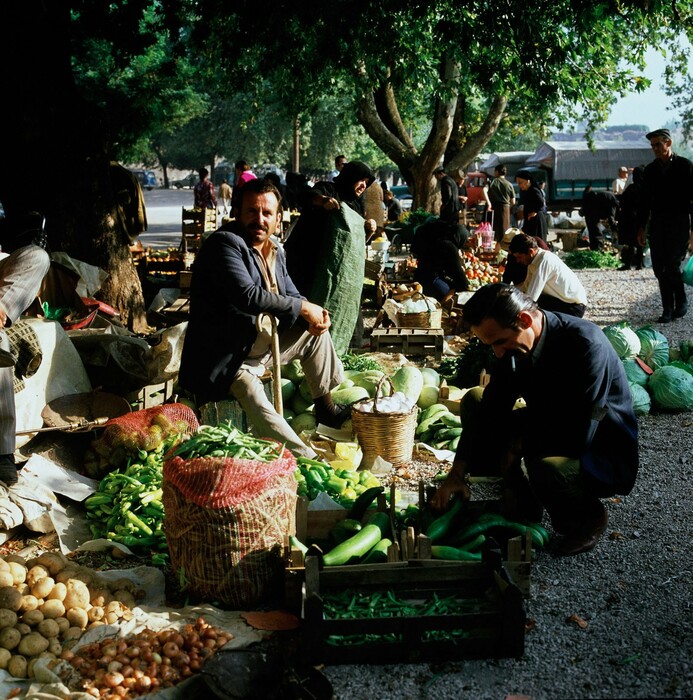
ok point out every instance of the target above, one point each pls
(668, 247)
(550, 303)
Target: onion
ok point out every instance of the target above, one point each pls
(156, 657)
(113, 679)
(171, 649)
(144, 683)
(132, 651)
(109, 650)
(114, 666)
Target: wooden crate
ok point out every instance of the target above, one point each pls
(493, 627)
(409, 341)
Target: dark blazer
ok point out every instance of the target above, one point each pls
(578, 405)
(227, 293)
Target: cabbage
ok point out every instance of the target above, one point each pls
(682, 365)
(654, 347)
(641, 400)
(672, 388)
(635, 373)
(624, 339)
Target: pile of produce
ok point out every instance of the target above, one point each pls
(439, 428)
(127, 508)
(480, 272)
(143, 663)
(342, 485)
(464, 369)
(585, 259)
(659, 376)
(46, 604)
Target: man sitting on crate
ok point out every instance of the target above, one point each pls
(238, 275)
(578, 434)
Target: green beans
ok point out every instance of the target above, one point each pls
(226, 441)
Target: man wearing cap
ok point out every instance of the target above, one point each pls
(549, 281)
(619, 184)
(449, 194)
(665, 220)
(514, 272)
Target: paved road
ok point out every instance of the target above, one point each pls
(164, 212)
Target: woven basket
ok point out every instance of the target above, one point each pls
(424, 319)
(388, 435)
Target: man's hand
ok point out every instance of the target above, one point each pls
(641, 237)
(453, 484)
(370, 226)
(318, 319)
(329, 203)
(3, 317)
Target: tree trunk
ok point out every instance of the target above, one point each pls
(56, 153)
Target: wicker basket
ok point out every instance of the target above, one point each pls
(388, 435)
(424, 319)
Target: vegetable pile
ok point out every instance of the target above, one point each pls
(659, 376)
(143, 663)
(46, 604)
(589, 259)
(343, 485)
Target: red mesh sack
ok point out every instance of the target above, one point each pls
(123, 437)
(226, 523)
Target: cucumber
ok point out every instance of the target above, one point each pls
(362, 503)
(378, 554)
(442, 552)
(451, 420)
(344, 529)
(440, 526)
(361, 543)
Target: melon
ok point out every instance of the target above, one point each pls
(409, 380)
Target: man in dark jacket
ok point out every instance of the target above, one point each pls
(597, 207)
(578, 434)
(237, 277)
(667, 188)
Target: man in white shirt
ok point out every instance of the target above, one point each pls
(620, 183)
(550, 282)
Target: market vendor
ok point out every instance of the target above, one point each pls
(578, 434)
(439, 265)
(549, 281)
(238, 275)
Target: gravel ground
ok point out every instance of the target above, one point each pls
(633, 590)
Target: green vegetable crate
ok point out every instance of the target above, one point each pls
(411, 612)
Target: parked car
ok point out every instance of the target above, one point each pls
(146, 178)
(475, 182)
(187, 182)
(403, 194)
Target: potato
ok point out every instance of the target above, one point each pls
(4, 566)
(55, 562)
(30, 602)
(54, 646)
(96, 623)
(100, 597)
(22, 628)
(86, 576)
(95, 613)
(48, 628)
(77, 617)
(32, 617)
(52, 609)
(43, 587)
(77, 595)
(35, 573)
(63, 623)
(111, 618)
(17, 666)
(33, 644)
(5, 657)
(16, 558)
(58, 593)
(10, 598)
(6, 578)
(73, 632)
(18, 572)
(8, 618)
(115, 606)
(23, 588)
(10, 637)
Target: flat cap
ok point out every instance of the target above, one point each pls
(664, 133)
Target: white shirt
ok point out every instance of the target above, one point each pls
(548, 274)
(618, 185)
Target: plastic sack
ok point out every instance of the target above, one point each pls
(688, 272)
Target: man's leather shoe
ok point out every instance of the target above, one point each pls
(584, 539)
(681, 311)
(7, 359)
(8, 470)
(664, 318)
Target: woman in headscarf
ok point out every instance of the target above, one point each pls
(533, 205)
(326, 250)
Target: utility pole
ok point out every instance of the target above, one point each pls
(297, 136)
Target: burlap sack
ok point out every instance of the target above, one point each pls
(226, 521)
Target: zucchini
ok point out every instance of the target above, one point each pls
(440, 526)
(441, 552)
(295, 542)
(359, 544)
(378, 554)
(344, 529)
(362, 503)
(451, 420)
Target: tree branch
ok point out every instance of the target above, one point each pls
(474, 145)
(386, 104)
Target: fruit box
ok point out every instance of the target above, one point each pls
(486, 617)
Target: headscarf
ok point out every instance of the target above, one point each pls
(350, 174)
